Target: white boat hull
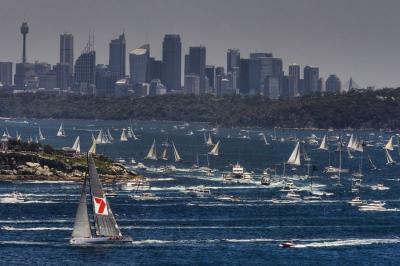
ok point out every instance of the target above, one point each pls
(100, 241)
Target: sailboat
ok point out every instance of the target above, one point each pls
(215, 150)
(324, 144)
(92, 149)
(389, 159)
(123, 136)
(61, 131)
(104, 229)
(389, 144)
(373, 166)
(77, 145)
(294, 158)
(265, 140)
(41, 137)
(110, 137)
(152, 154)
(176, 154)
(164, 154)
(209, 140)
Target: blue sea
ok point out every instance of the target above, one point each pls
(178, 228)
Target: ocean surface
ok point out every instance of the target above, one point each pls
(176, 227)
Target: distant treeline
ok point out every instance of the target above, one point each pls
(355, 109)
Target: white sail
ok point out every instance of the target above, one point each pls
(324, 144)
(61, 131)
(129, 133)
(215, 150)
(81, 224)
(123, 136)
(176, 154)
(152, 154)
(18, 136)
(265, 140)
(99, 138)
(351, 142)
(110, 137)
(164, 155)
(8, 133)
(294, 158)
(389, 144)
(389, 159)
(41, 137)
(77, 145)
(209, 140)
(92, 149)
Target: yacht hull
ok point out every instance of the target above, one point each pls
(100, 241)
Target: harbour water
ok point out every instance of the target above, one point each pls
(235, 224)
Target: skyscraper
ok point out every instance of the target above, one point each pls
(333, 84)
(197, 65)
(244, 76)
(85, 70)
(67, 51)
(139, 64)
(311, 79)
(6, 73)
(232, 59)
(172, 62)
(117, 57)
(210, 74)
(294, 80)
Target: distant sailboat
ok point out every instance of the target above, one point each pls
(106, 230)
(294, 158)
(41, 137)
(389, 144)
(110, 137)
(373, 166)
(324, 144)
(265, 140)
(176, 154)
(215, 150)
(152, 154)
(18, 136)
(77, 145)
(123, 136)
(61, 131)
(389, 159)
(209, 140)
(92, 149)
(164, 155)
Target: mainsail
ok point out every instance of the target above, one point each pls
(123, 136)
(209, 140)
(215, 150)
(92, 149)
(164, 155)
(176, 154)
(351, 142)
(152, 154)
(110, 137)
(82, 225)
(77, 145)
(104, 220)
(265, 140)
(324, 144)
(61, 131)
(41, 137)
(389, 159)
(389, 144)
(294, 158)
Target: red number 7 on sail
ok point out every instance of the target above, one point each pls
(100, 206)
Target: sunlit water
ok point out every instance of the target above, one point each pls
(180, 229)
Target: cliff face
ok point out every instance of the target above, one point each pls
(37, 163)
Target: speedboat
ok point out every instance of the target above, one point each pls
(237, 171)
(144, 196)
(375, 205)
(266, 180)
(355, 201)
(379, 187)
(287, 244)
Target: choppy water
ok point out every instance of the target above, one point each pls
(180, 229)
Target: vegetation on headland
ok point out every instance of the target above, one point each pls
(355, 109)
(31, 161)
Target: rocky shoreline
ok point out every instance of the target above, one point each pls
(32, 162)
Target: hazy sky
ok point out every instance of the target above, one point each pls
(358, 38)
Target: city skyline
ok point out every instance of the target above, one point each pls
(341, 45)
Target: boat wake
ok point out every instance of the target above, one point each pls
(348, 242)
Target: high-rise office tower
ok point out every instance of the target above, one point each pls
(232, 59)
(155, 69)
(210, 74)
(244, 76)
(333, 84)
(117, 57)
(197, 65)
(139, 64)
(311, 79)
(172, 62)
(67, 51)
(294, 80)
(6, 73)
(85, 70)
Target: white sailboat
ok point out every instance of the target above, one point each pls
(215, 150)
(295, 157)
(265, 140)
(106, 230)
(123, 136)
(389, 144)
(110, 137)
(164, 154)
(389, 159)
(351, 142)
(61, 131)
(176, 154)
(92, 149)
(324, 144)
(77, 145)
(209, 140)
(152, 154)
(41, 136)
